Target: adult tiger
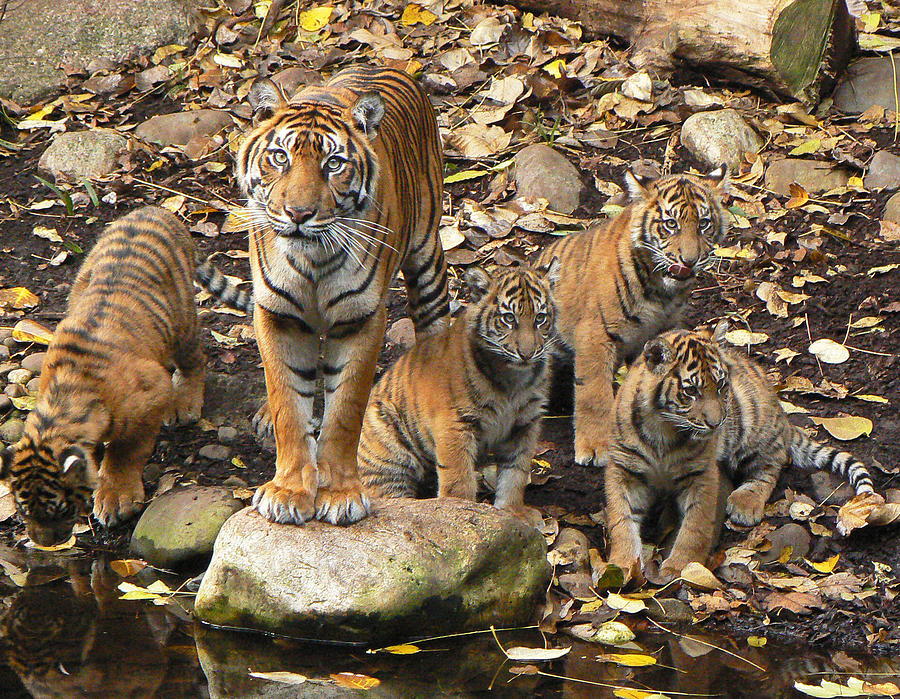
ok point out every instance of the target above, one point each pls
(343, 184)
(628, 279)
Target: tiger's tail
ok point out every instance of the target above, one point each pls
(810, 455)
(218, 285)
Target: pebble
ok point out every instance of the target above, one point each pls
(5, 402)
(235, 482)
(892, 209)
(884, 171)
(215, 452)
(542, 172)
(33, 362)
(82, 155)
(4, 353)
(15, 390)
(813, 175)
(5, 333)
(21, 376)
(793, 535)
(227, 434)
(11, 430)
(9, 342)
(33, 385)
(720, 136)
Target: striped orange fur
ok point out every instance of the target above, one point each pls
(124, 360)
(628, 279)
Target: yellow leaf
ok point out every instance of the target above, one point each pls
(628, 693)
(463, 175)
(756, 641)
(883, 269)
(238, 462)
(700, 576)
(845, 428)
(173, 203)
(870, 20)
(215, 167)
(624, 604)
(810, 146)
(866, 322)
(225, 339)
(536, 655)
(827, 565)
(416, 14)
(261, 8)
(163, 52)
(402, 649)
(855, 183)
(18, 298)
(799, 196)
(556, 68)
(872, 398)
(31, 331)
(228, 60)
(281, 677)
(351, 680)
(734, 253)
(627, 659)
(25, 403)
(315, 18)
(785, 554)
(47, 234)
(126, 567)
(59, 547)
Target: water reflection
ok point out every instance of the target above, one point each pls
(66, 633)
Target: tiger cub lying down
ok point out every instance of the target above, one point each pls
(692, 417)
(124, 360)
(476, 387)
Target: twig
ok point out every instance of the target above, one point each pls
(705, 643)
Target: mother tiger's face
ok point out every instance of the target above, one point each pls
(693, 387)
(680, 218)
(310, 168)
(516, 315)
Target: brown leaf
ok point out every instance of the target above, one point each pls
(855, 512)
(799, 196)
(352, 680)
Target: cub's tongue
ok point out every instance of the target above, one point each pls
(680, 271)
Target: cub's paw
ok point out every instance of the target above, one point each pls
(342, 506)
(745, 508)
(262, 425)
(631, 569)
(667, 572)
(591, 453)
(284, 505)
(114, 504)
(188, 397)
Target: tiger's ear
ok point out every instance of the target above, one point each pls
(719, 177)
(265, 97)
(637, 185)
(658, 354)
(75, 466)
(478, 282)
(6, 457)
(367, 113)
(550, 271)
(718, 334)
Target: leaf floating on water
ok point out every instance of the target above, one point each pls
(624, 604)
(829, 351)
(126, 567)
(531, 655)
(855, 687)
(281, 677)
(627, 659)
(352, 680)
(845, 428)
(157, 591)
(59, 547)
(611, 633)
(628, 693)
(402, 649)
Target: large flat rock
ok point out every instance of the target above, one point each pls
(37, 36)
(412, 568)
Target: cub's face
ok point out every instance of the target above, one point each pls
(516, 314)
(51, 486)
(680, 218)
(693, 386)
(309, 170)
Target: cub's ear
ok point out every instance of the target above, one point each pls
(6, 457)
(719, 177)
(718, 334)
(76, 466)
(638, 186)
(265, 97)
(658, 354)
(367, 113)
(550, 271)
(478, 282)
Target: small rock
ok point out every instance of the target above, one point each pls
(152, 471)
(542, 172)
(83, 155)
(227, 434)
(884, 171)
(11, 430)
(814, 176)
(571, 550)
(4, 353)
(892, 209)
(181, 524)
(179, 128)
(867, 82)
(792, 535)
(402, 333)
(33, 385)
(21, 376)
(5, 333)
(7, 367)
(33, 362)
(669, 609)
(215, 452)
(9, 342)
(235, 482)
(576, 584)
(15, 390)
(412, 567)
(720, 136)
(5, 403)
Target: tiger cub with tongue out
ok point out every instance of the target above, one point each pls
(627, 280)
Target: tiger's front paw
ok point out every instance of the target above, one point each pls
(342, 506)
(631, 568)
(284, 505)
(590, 452)
(117, 502)
(745, 508)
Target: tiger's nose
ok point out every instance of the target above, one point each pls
(298, 215)
(688, 260)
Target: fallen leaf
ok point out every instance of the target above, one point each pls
(629, 693)
(315, 18)
(827, 565)
(47, 234)
(624, 604)
(27, 330)
(742, 338)
(883, 269)
(854, 688)
(281, 677)
(126, 567)
(854, 513)
(59, 547)
(464, 175)
(866, 322)
(829, 351)
(402, 649)
(756, 641)
(845, 428)
(699, 576)
(18, 298)
(352, 680)
(799, 196)
(885, 514)
(530, 655)
(416, 14)
(872, 398)
(487, 31)
(611, 633)
(627, 659)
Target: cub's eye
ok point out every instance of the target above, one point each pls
(690, 391)
(334, 163)
(705, 223)
(540, 318)
(670, 225)
(508, 318)
(278, 157)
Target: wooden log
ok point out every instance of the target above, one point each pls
(795, 48)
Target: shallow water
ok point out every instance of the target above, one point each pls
(66, 633)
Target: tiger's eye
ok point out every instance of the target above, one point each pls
(670, 225)
(334, 163)
(279, 157)
(508, 318)
(691, 391)
(705, 223)
(540, 318)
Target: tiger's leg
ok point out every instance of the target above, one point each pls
(386, 469)
(697, 503)
(595, 358)
(289, 357)
(747, 504)
(455, 449)
(514, 461)
(627, 500)
(425, 277)
(189, 377)
(349, 371)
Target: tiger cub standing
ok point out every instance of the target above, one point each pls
(627, 280)
(476, 388)
(344, 186)
(693, 417)
(124, 360)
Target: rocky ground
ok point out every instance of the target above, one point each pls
(539, 127)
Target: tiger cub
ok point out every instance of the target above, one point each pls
(124, 360)
(477, 387)
(693, 417)
(627, 280)
(344, 187)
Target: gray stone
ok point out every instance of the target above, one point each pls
(181, 524)
(5, 333)
(227, 434)
(542, 172)
(15, 390)
(83, 155)
(21, 376)
(826, 485)
(215, 452)
(892, 209)
(402, 333)
(232, 399)
(5, 403)
(4, 353)
(884, 171)
(867, 82)
(412, 567)
(38, 37)
(670, 609)
(814, 176)
(11, 430)
(33, 385)
(791, 534)
(34, 361)
(720, 136)
(179, 128)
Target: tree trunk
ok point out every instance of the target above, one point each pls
(795, 48)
